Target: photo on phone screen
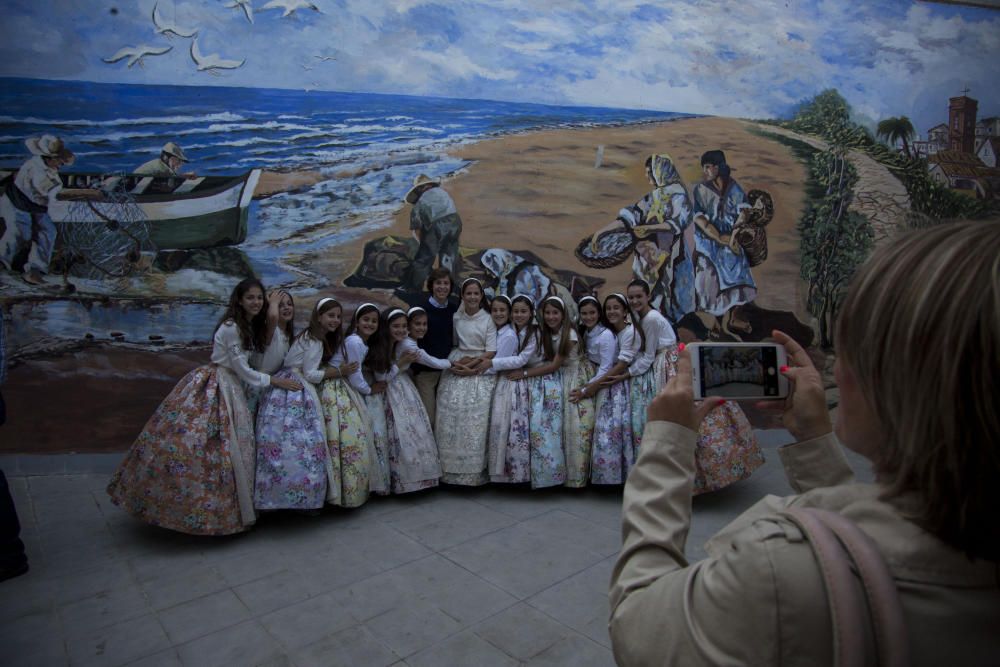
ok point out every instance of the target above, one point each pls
(745, 371)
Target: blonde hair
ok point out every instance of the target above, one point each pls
(920, 330)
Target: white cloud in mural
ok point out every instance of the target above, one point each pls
(751, 58)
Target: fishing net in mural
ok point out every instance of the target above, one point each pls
(105, 238)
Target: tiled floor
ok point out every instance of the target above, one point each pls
(479, 577)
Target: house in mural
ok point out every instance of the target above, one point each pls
(988, 151)
(937, 140)
(964, 172)
(986, 128)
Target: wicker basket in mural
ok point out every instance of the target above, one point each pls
(750, 233)
(613, 248)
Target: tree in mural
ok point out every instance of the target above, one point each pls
(826, 114)
(896, 129)
(834, 240)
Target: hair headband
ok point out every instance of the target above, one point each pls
(363, 306)
(555, 298)
(393, 312)
(524, 297)
(620, 296)
(471, 280)
(589, 298)
(649, 288)
(413, 311)
(319, 304)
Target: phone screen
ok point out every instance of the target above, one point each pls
(739, 371)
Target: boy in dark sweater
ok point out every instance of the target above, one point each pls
(438, 341)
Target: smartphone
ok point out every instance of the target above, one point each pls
(738, 370)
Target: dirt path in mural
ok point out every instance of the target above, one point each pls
(878, 195)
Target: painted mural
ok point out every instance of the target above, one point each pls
(154, 153)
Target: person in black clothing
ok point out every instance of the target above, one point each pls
(13, 562)
(438, 343)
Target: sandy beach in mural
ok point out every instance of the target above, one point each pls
(537, 190)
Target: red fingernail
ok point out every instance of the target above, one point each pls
(784, 369)
(680, 347)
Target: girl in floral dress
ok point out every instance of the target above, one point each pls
(648, 371)
(349, 431)
(545, 393)
(578, 415)
(599, 350)
(192, 467)
(413, 457)
(378, 370)
(509, 442)
(613, 451)
(294, 470)
(463, 401)
(278, 334)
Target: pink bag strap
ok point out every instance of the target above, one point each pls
(838, 542)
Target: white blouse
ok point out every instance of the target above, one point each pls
(601, 349)
(410, 345)
(270, 360)
(228, 352)
(628, 344)
(659, 334)
(474, 333)
(354, 351)
(507, 357)
(306, 355)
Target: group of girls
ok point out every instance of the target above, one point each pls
(280, 420)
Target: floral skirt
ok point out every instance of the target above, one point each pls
(349, 441)
(463, 423)
(545, 427)
(379, 479)
(293, 463)
(509, 439)
(191, 469)
(413, 457)
(644, 388)
(578, 423)
(613, 453)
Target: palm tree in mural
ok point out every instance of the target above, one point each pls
(897, 129)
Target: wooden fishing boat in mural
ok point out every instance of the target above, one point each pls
(181, 213)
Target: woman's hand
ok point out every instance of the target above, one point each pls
(675, 402)
(378, 387)
(273, 304)
(517, 374)
(805, 413)
(287, 384)
(609, 380)
(348, 369)
(408, 358)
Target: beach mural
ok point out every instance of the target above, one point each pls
(153, 153)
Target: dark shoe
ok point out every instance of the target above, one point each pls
(15, 571)
(33, 277)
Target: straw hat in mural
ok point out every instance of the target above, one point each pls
(49, 146)
(419, 182)
(170, 148)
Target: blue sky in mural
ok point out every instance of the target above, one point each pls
(754, 58)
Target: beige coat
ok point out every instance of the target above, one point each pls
(758, 599)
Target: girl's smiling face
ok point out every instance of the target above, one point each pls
(615, 312)
(286, 308)
(472, 296)
(418, 326)
(368, 324)
(331, 319)
(553, 317)
(500, 312)
(397, 328)
(252, 301)
(521, 315)
(638, 299)
(589, 314)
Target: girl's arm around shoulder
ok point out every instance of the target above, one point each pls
(312, 359)
(227, 350)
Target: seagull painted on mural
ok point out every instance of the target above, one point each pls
(289, 6)
(212, 62)
(169, 29)
(245, 6)
(135, 54)
(325, 58)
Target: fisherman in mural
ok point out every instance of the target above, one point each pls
(435, 223)
(171, 159)
(723, 281)
(24, 207)
(663, 244)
